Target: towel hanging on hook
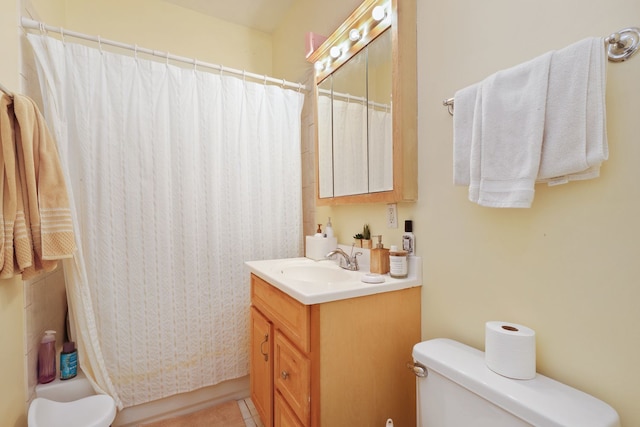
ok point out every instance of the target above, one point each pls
(620, 47)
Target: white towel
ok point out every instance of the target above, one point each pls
(575, 142)
(540, 121)
(465, 103)
(513, 110)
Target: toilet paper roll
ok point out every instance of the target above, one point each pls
(510, 350)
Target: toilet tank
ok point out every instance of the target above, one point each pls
(459, 390)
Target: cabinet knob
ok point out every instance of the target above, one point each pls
(284, 375)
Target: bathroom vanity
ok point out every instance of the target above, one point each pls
(328, 349)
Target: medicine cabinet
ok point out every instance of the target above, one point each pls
(366, 105)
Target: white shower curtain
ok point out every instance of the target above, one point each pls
(350, 165)
(380, 149)
(176, 177)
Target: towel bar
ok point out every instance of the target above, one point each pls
(620, 47)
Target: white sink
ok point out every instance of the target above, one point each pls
(314, 282)
(316, 273)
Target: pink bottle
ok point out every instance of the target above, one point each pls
(47, 358)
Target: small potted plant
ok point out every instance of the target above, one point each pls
(358, 240)
(366, 237)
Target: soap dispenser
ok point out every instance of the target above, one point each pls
(379, 258)
(47, 358)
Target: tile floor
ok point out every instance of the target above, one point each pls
(249, 413)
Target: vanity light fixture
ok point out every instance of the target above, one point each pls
(354, 35)
(379, 13)
(368, 21)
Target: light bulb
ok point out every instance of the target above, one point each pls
(319, 66)
(335, 52)
(354, 35)
(379, 13)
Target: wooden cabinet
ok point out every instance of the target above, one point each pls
(336, 363)
(283, 416)
(261, 364)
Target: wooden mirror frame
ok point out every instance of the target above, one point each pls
(404, 93)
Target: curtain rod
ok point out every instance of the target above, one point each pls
(349, 97)
(31, 24)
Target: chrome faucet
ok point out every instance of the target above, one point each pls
(348, 262)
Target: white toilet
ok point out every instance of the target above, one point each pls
(70, 403)
(455, 388)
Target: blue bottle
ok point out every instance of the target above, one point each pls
(68, 361)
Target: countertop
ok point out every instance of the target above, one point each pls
(309, 291)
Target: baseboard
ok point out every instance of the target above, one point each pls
(183, 403)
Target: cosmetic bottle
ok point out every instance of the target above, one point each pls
(398, 266)
(328, 229)
(408, 239)
(47, 358)
(68, 361)
(379, 258)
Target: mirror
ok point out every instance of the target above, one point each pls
(379, 116)
(325, 139)
(355, 148)
(367, 107)
(349, 111)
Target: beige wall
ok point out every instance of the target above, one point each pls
(321, 17)
(568, 266)
(163, 26)
(12, 386)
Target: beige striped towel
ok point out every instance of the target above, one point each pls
(47, 216)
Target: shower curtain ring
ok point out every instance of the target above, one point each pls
(100, 44)
(135, 52)
(167, 58)
(62, 34)
(282, 83)
(195, 64)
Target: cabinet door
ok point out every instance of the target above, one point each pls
(262, 366)
(283, 416)
(292, 376)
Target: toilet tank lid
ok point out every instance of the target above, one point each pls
(539, 401)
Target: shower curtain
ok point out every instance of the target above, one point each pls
(350, 168)
(362, 162)
(380, 149)
(176, 177)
